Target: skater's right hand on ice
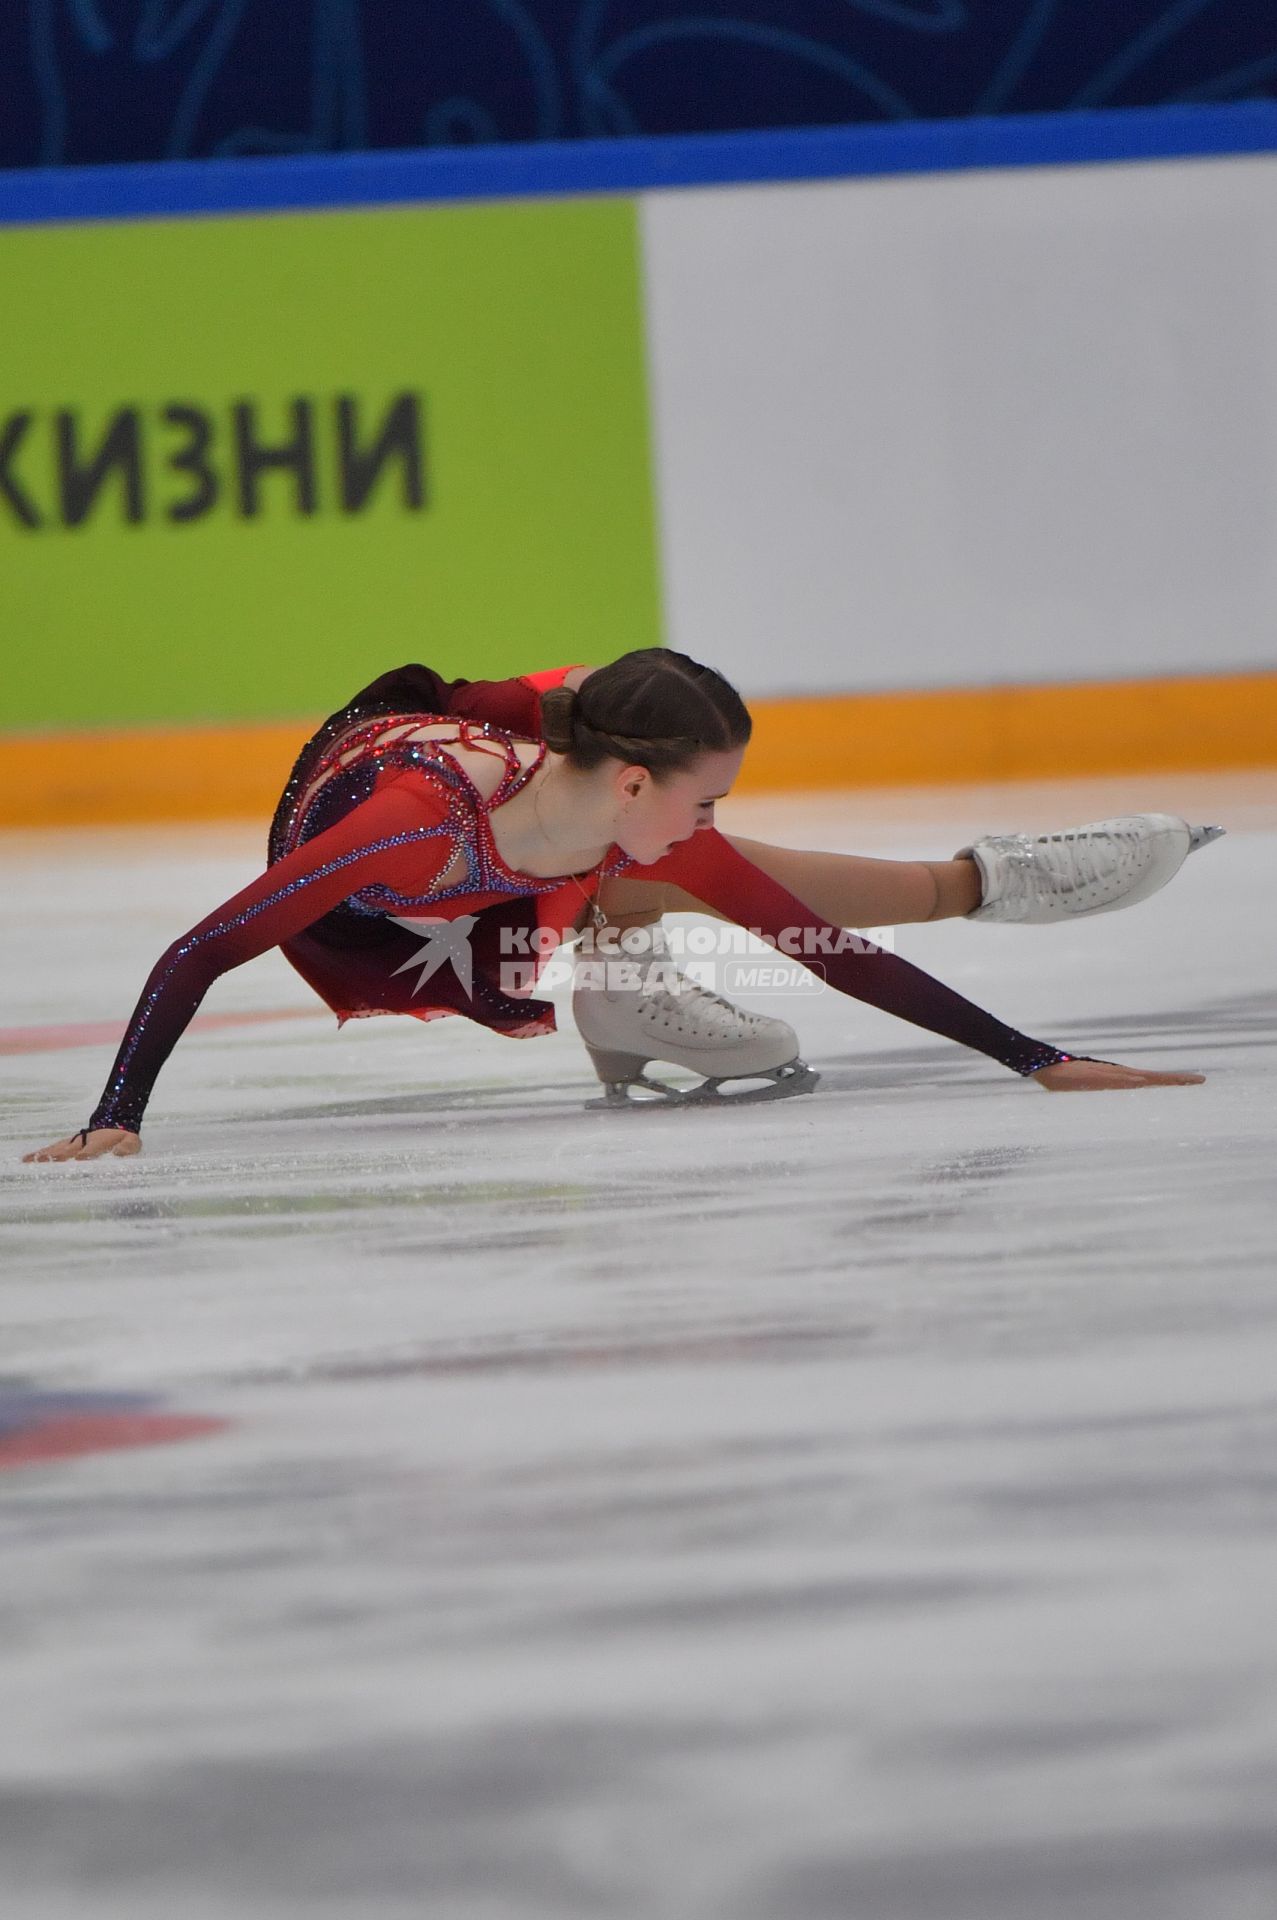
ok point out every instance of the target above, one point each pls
(1105, 1076)
(89, 1146)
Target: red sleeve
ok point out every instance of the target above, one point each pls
(709, 867)
(395, 838)
(551, 677)
(512, 705)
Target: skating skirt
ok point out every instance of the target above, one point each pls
(349, 957)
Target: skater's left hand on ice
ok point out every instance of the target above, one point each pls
(1105, 1076)
(92, 1144)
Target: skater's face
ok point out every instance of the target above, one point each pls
(654, 816)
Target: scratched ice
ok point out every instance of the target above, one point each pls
(864, 1505)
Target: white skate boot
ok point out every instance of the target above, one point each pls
(1082, 870)
(632, 1005)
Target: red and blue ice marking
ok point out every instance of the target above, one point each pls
(39, 1427)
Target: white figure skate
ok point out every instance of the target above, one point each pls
(1082, 870)
(632, 1006)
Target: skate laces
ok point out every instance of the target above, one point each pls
(1074, 860)
(693, 1004)
(688, 1001)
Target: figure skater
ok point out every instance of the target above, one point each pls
(518, 813)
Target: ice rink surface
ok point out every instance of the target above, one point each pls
(862, 1507)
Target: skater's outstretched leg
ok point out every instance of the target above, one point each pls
(846, 889)
(850, 890)
(1010, 877)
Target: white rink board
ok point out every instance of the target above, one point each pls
(863, 1505)
(946, 430)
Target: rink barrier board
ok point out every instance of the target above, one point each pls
(943, 736)
(637, 164)
(941, 733)
(225, 523)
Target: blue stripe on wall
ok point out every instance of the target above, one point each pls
(150, 190)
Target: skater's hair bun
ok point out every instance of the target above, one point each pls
(558, 717)
(651, 708)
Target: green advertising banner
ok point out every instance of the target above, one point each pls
(248, 463)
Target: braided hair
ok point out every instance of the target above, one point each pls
(651, 708)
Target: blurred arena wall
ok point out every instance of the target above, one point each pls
(964, 437)
(93, 81)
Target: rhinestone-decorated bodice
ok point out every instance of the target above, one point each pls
(362, 758)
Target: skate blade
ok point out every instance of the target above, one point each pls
(780, 1083)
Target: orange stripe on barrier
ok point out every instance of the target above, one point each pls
(927, 738)
(156, 774)
(960, 734)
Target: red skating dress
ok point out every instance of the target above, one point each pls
(375, 826)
